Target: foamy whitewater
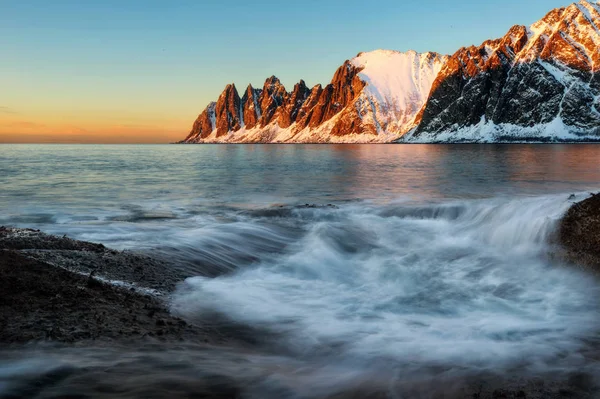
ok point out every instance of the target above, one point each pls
(388, 267)
(464, 284)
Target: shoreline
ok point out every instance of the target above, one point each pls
(59, 290)
(66, 293)
(432, 143)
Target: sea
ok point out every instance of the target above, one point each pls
(388, 269)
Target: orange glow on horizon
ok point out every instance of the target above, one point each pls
(19, 130)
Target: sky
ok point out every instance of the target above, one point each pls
(117, 71)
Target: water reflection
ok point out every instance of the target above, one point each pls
(258, 175)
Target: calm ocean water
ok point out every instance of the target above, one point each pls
(415, 258)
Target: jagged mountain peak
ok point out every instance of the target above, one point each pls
(589, 5)
(567, 37)
(272, 81)
(229, 88)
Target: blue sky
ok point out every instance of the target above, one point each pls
(158, 63)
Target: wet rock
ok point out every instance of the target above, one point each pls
(317, 206)
(579, 232)
(42, 300)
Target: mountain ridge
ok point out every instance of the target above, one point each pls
(540, 82)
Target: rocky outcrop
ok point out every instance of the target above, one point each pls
(541, 81)
(54, 288)
(251, 112)
(204, 124)
(227, 111)
(338, 95)
(273, 96)
(58, 289)
(579, 232)
(288, 111)
(306, 110)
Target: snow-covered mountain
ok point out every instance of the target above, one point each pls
(537, 83)
(540, 83)
(397, 86)
(373, 97)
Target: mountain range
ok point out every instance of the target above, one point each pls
(536, 84)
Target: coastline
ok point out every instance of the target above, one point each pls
(59, 290)
(75, 294)
(399, 141)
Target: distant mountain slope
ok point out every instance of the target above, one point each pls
(537, 83)
(540, 83)
(372, 98)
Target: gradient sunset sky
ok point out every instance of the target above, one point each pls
(141, 71)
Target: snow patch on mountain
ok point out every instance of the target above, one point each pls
(398, 85)
(485, 131)
(399, 79)
(275, 134)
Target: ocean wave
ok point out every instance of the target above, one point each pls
(464, 284)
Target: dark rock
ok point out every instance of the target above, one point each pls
(46, 301)
(579, 232)
(25, 315)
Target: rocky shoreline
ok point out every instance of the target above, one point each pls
(61, 290)
(72, 293)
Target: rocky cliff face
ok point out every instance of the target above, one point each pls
(251, 112)
(204, 124)
(371, 98)
(288, 111)
(227, 111)
(537, 83)
(540, 83)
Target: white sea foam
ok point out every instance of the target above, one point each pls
(463, 283)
